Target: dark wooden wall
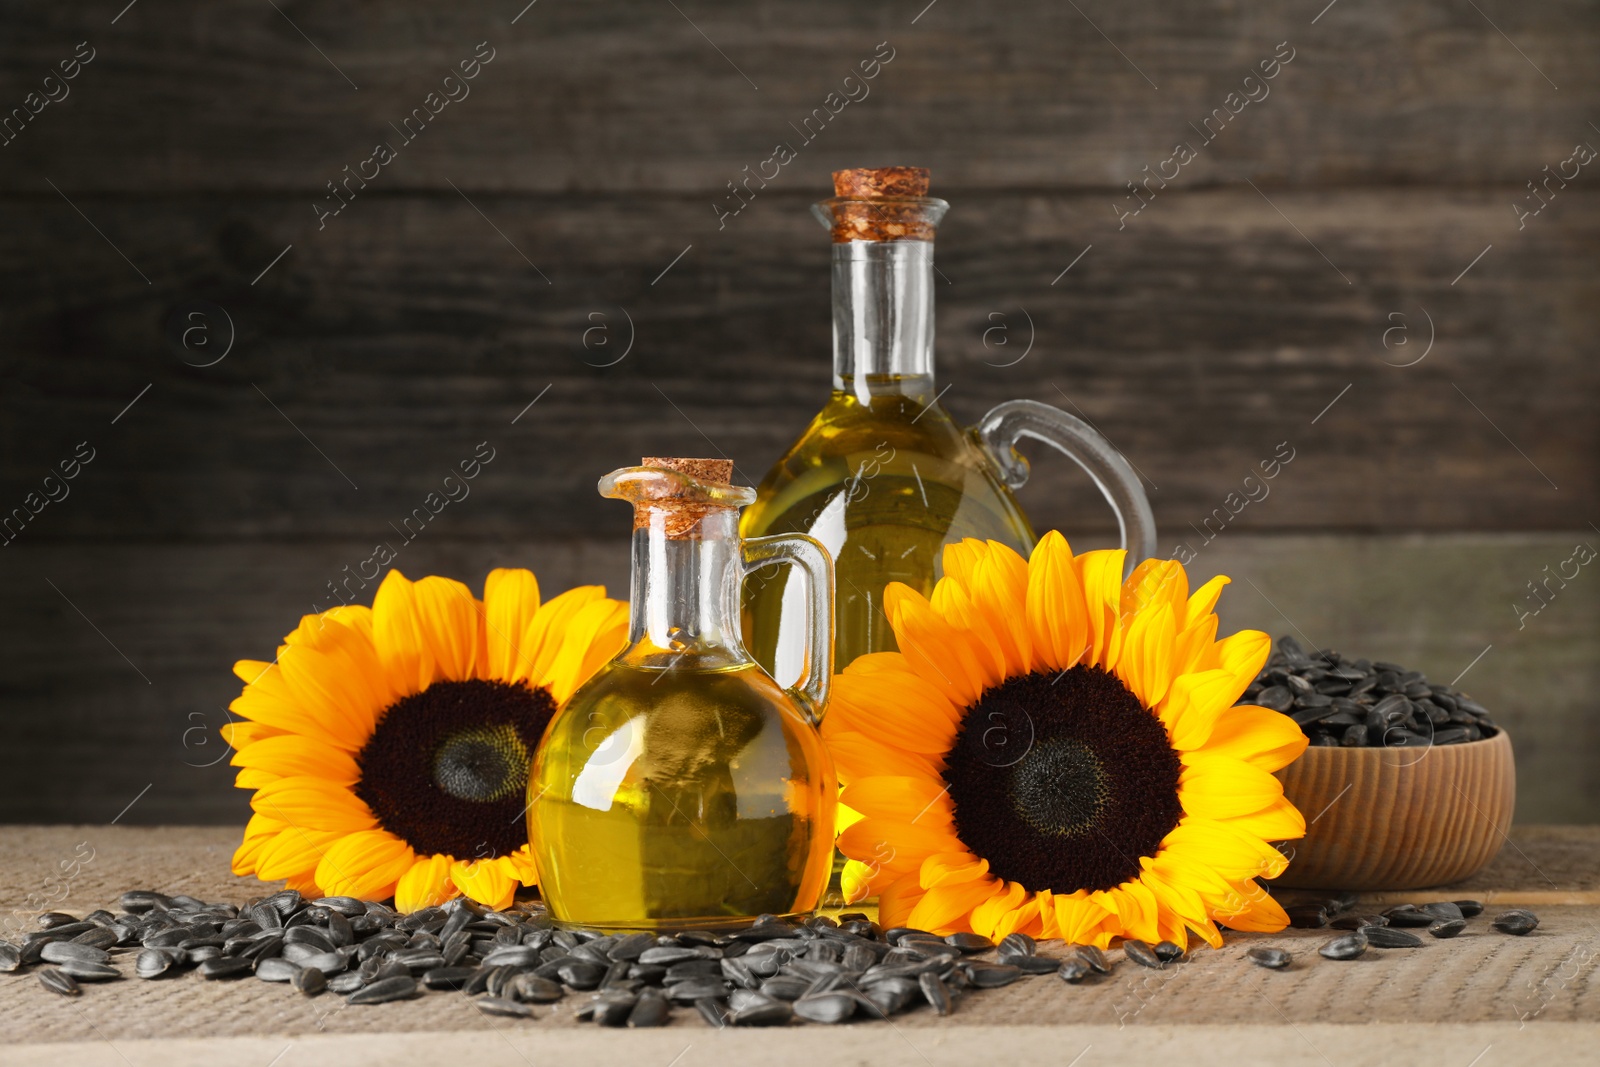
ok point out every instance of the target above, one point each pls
(1365, 202)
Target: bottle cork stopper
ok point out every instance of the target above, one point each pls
(871, 183)
(881, 204)
(682, 512)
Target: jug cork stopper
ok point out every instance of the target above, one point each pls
(875, 183)
(709, 471)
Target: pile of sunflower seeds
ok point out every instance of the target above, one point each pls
(770, 973)
(773, 972)
(1443, 919)
(1339, 701)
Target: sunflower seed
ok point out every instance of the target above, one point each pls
(100, 937)
(1347, 947)
(785, 987)
(578, 975)
(84, 971)
(310, 981)
(10, 957)
(1469, 908)
(448, 977)
(1018, 945)
(670, 954)
(54, 920)
(697, 988)
(1444, 909)
(348, 982)
(400, 987)
(1276, 697)
(1032, 964)
(1167, 951)
(1093, 957)
(506, 1008)
(275, 969)
(828, 1008)
(1073, 969)
(1358, 922)
(1275, 959)
(334, 962)
(613, 1009)
(225, 967)
(1390, 937)
(512, 955)
(651, 1010)
(1141, 953)
(990, 975)
(531, 989)
(62, 951)
(309, 935)
(1517, 921)
(970, 942)
(1447, 927)
(714, 1011)
(769, 1013)
(1408, 915)
(58, 981)
(936, 993)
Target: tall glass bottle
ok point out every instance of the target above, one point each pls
(681, 787)
(883, 477)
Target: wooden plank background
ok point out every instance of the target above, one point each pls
(1260, 297)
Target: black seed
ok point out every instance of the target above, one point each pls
(10, 957)
(613, 1009)
(713, 1011)
(500, 1006)
(348, 982)
(58, 981)
(785, 987)
(226, 967)
(1444, 909)
(1408, 915)
(1447, 927)
(1276, 697)
(1073, 969)
(1469, 908)
(970, 942)
(1275, 959)
(54, 920)
(630, 947)
(826, 1008)
(400, 987)
(581, 975)
(770, 1013)
(1390, 937)
(1018, 945)
(85, 971)
(310, 981)
(1308, 916)
(1358, 922)
(448, 977)
(935, 992)
(512, 955)
(1347, 947)
(1141, 953)
(990, 975)
(531, 989)
(1031, 964)
(272, 969)
(1167, 951)
(651, 1010)
(62, 951)
(1093, 957)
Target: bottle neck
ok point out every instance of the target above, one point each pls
(883, 318)
(684, 592)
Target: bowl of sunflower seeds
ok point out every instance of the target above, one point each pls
(1405, 783)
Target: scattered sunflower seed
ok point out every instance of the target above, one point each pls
(1391, 937)
(1447, 927)
(1347, 947)
(1517, 921)
(1275, 959)
(58, 981)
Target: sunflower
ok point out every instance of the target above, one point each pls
(1057, 752)
(389, 746)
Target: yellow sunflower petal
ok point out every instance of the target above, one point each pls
(1204, 600)
(484, 881)
(1145, 665)
(893, 844)
(1278, 821)
(1100, 577)
(1154, 582)
(1193, 706)
(1262, 915)
(294, 851)
(425, 884)
(1260, 736)
(579, 643)
(366, 865)
(314, 804)
(1005, 907)
(546, 632)
(1058, 621)
(397, 633)
(951, 868)
(520, 865)
(899, 709)
(257, 832)
(267, 700)
(450, 621)
(935, 648)
(239, 734)
(917, 800)
(855, 881)
(510, 599)
(896, 898)
(856, 755)
(287, 755)
(948, 909)
(1219, 787)
(999, 584)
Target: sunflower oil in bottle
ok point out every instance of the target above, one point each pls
(681, 787)
(883, 477)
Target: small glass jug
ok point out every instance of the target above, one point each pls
(681, 787)
(883, 476)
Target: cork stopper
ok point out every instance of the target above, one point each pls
(875, 183)
(882, 204)
(677, 493)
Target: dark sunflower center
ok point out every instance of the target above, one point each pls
(446, 768)
(1063, 781)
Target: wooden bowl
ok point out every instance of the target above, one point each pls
(1394, 818)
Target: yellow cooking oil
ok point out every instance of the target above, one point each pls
(884, 478)
(680, 797)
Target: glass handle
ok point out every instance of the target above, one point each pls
(807, 555)
(1006, 424)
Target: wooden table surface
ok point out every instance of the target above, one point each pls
(1477, 1001)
